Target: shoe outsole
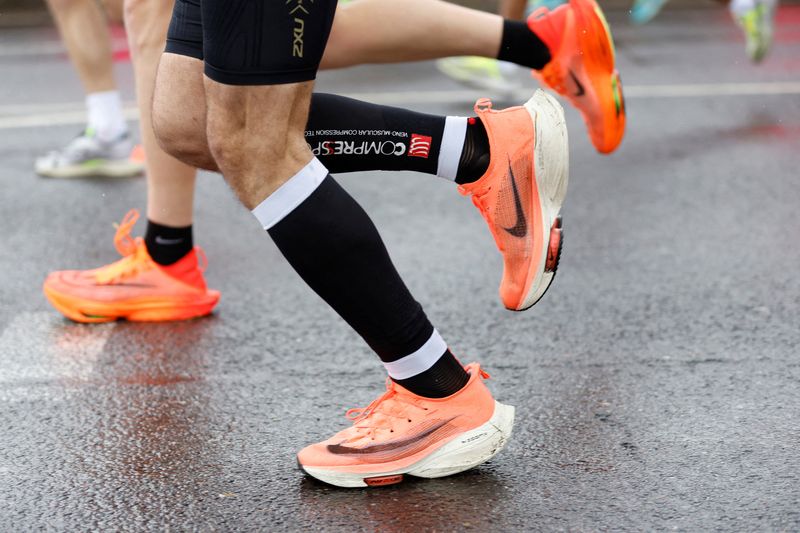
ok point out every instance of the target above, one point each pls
(88, 312)
(597, 45)
(461, 453)
(107, 169)
(551, 163)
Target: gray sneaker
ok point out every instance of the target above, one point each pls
(88, 156)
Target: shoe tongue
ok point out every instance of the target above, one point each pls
(548, 25)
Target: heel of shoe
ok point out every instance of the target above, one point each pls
(551, 152)
(470, 449)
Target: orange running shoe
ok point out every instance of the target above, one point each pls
(521, 193)
(134, 288)
(401, 433)
(582, 67)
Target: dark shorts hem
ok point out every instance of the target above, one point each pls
(228, 77)
(184, 48)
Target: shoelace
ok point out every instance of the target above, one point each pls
(123, 242)
(132, 252)
(363, 419)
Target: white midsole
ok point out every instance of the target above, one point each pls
(110, 169)
(551, 163)
(466, 451)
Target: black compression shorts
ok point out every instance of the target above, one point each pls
(253, 42)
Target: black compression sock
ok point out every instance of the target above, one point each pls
(331, 242)
(444, 378)
(521, 46)
(349, 135)
(167, 245)
(334, 246)
(475, 154)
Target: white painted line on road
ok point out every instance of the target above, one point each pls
(38, 115)
(631, 92)
(713, 89)
(49, 48)
(55, 118)
(40, 346)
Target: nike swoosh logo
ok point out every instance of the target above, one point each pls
(520, 228)
(581, 91)
(167, 242)
(340, 449)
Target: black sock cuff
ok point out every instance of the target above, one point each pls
(167, 244)
(521, 46)
(446, 377)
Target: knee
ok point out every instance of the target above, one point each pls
(181, 136)
(255, 164)
(232, 144)
(182, 141)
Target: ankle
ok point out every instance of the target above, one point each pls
(167, 245)
(475, 155)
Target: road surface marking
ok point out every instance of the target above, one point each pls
(38, 115)
(42, 346)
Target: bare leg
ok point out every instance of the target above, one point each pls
(170, 183)
(393, 31)
(179, 80)
(84, 30)
(512, 9)
(104, 147)
(255, 134)
(365, 31)
(114, 10)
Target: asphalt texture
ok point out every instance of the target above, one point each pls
(656, 384)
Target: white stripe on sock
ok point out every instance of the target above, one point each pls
(419, 361)
(455, 131)
(290, 194)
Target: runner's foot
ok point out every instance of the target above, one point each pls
(757, 22)
(401, 434)
(582, 68)
(521, 193)
(89, 156)
(481, 73)
(134, 288)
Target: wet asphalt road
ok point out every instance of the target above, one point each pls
(656, 384)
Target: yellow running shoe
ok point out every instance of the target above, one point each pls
(757, 23)
(135, 287)
(401, 434)
(482, 73)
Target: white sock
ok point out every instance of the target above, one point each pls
(105, 115)
(455, 131)
(291, 194)
(419, 361)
